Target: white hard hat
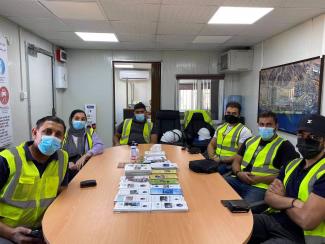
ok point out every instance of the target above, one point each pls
(178, 134)
(204, 134)
(171, 136)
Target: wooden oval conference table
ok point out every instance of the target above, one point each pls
(86, 215)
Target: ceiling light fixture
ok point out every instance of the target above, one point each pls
(238, 15)
(97, 37)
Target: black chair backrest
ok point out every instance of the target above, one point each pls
(197, 122)
(167, 120)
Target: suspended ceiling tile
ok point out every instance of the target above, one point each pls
(58, 35)
(125, 11)
(138, 46)
(136, 38)
(89, 25)
(175, 38)
(23, 8)
(304, 3)
(228, 30)
(75, 10)
(41, 24)
(124, 27)
(166, 28)
(211, 39)
(133, 1)
(207, 46)
(244, 40)
(192, 2)
(290, 15)
(253, 3)
(186, 14)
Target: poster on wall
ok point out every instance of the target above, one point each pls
(90, 110)
(5, 114)
(292, 91)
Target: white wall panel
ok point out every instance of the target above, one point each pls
(301, 42)
(17, 76)
(94, 67)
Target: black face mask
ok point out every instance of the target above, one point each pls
(308, 148)
(231, 119)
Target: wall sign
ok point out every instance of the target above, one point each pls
(5, 113)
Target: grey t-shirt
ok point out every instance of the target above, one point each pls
(136, 133)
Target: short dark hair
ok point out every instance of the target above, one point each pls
(55, 119)
(75, 112)
(139, 105)
(268, 114)
(234, 105)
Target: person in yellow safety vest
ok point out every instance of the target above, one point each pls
(298, 194)
(228, 138)
(31, 175)
(259, 160)
(81, 143)
(137, 129)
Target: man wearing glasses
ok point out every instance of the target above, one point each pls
(297, 196)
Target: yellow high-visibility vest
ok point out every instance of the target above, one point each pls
(26, 195)
(124, 140)
(227, 145)
(317, 235)
(262, 162)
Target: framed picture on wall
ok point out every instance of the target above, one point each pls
(291, 91)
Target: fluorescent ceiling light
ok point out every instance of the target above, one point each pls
(97, 37)
(211, 39)
(238, 15)
(126, 66)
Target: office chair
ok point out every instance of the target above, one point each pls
(168, 120)
(191, 132)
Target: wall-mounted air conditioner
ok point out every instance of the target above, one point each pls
(236, 61)
(134, 74)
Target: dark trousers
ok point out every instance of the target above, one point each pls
(5, 241)
(267, 230)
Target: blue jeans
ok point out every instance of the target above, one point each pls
(224, 168)
(250, 194)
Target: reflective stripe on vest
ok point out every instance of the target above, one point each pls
(227, 145)
(317, 235)
(189, 114)
(127, 130)
(24, 198)
(262, 162)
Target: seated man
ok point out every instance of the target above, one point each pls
(30, 179)
(228, 138)
(138, 129)
(298, 194)
(259, 159)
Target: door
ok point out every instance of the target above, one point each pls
(39, 72)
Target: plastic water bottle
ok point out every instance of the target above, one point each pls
(134, 151)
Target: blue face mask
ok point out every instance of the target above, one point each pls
(140, 117)
(266, 133)
(49, 145)
(78, 124)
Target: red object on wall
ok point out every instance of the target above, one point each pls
(61, 55)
